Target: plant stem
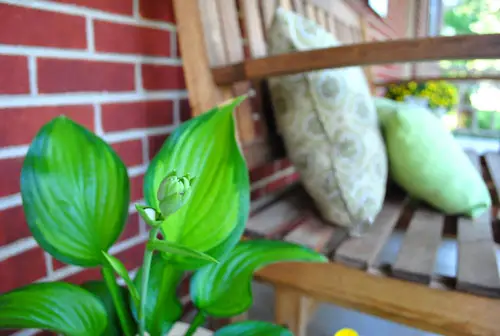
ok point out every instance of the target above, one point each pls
(146, 266)
(117, 295)
(198, 321)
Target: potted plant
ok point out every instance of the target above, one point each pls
(75, 193)
(439, 96)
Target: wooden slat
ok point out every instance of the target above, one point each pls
(286, 4)
(275, 217)
(363, 251)
(321, 17)
(330, 23)
(253, 26)
(268, 8)
(298, 7)
(493, 165)
(477, 264)
(313, 233)
(197, 58)
(228, 23)
(417, 256)
(230, 30)
(310, 12)
(413, 50)
(438, 311)
(214, 38)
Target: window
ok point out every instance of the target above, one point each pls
(381, 7)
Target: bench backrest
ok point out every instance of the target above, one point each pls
(215, 33)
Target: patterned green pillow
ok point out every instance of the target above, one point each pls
(428, 163)
(329, 124)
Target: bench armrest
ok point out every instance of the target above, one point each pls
(396, 51)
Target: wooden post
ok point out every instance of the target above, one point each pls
(293, 310)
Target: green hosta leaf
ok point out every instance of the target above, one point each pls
(121, 270)
(179, 250)
(163, 307)
(224, 290)
(58, 306)
(75, 193)
(99, 289)
(253, 328)
(213, 218)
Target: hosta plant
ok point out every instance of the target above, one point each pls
(75, 193)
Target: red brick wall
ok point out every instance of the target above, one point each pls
(111, 65)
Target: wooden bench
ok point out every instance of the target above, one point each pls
(224, 54)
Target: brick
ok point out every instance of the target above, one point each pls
(136, 184)
(259, 173)
(131, 228)
(185, 110)
(33, 27)
(163, 77)
(15, 77)
(22, 269)
(10, 177)
(132, 257)
(63, 75)
(257, 193)
(155, 143)
(130, 152)
(56, 264)
(128, 39)
(183, 288)
(276, 185)
(13, 225)
(84, 275)
(162, 10)
(31, 119)
(112, 6)
(123, 116)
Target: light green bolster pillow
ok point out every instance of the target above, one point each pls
(428, 163)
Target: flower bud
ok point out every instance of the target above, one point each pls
(173, 193)
(152, 217)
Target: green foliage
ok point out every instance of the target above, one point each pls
(471, 17)
(75, 193)
(163, 307)
(172, 249)
(121, 270)
(253, 328)
(216, 212)
(57, 306)
(215, 287)
(99, 289)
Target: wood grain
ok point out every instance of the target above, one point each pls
(493, 165)
(477, 270)
(361, 252)
(439, 311)
(272, 219)
(231, 44)
(313, 233)
(268, 8)
(203, 92)
(417, 256)
(293, 309)
(414, 50)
